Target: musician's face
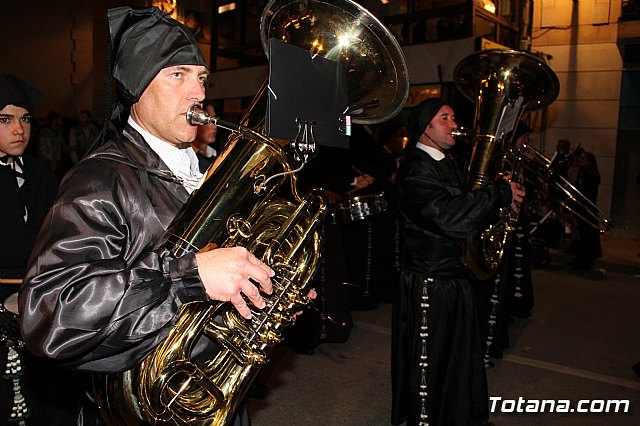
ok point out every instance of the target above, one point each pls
(162, 107)
(15, 130)
(438, 132)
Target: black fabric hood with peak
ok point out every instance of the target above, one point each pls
(421, 115)
(144, 41)
(141, 43)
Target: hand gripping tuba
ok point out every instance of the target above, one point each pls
(503, 84)
(238, 204)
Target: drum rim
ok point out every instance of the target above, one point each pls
(374, 194)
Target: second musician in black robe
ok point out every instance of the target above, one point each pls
(438, 377)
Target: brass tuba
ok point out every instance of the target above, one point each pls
(503, 84)
(239, 204)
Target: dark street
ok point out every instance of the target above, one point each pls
(578, 347)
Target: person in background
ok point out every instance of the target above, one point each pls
(205, 140)
(369, 263)
(102, 290)
(193, 21)
(573, 165)
(588, 247)
(82, 136)
(29, 386)
(438, 376)
(560, 159)
(51, 143)
(330, 321)
(509, 292)
(572, 229)
(517, 268)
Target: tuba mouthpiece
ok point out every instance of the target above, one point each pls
(196, 116)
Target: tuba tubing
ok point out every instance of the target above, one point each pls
(503, 84)
(231, 208)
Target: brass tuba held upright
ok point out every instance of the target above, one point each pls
(239, 204)
(503, 84)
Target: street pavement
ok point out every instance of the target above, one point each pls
(575, 352)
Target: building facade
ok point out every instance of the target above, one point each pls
(590, 44)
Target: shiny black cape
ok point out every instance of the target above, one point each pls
(99, 293)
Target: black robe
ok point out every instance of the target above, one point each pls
(508, 292)
(101, 292)
(330, 320)
(588, 248)
(36, 380)
(37, 195)
(437, 371)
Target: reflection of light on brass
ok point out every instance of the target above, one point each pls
(385, 1)
(295, 23)
(344, 40)
(226, 8)
(287, 24)
(405, 141)
(316, 47)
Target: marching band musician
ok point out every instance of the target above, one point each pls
(27, 189)
(519, 285)
(331, 321)
(509, 291)
(438, 377)
(588, 247)
(371, 256)
(100, 292)
(29, 393)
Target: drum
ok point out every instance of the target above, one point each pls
(358, 208)
(337, 214)
(9, 325)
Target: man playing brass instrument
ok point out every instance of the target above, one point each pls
(438, 376)
(101, 292)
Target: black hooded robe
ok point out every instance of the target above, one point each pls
(38, 382)
(98, 249)
(438, 377)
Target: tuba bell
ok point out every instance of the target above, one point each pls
(239, 204)
(503, 84)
